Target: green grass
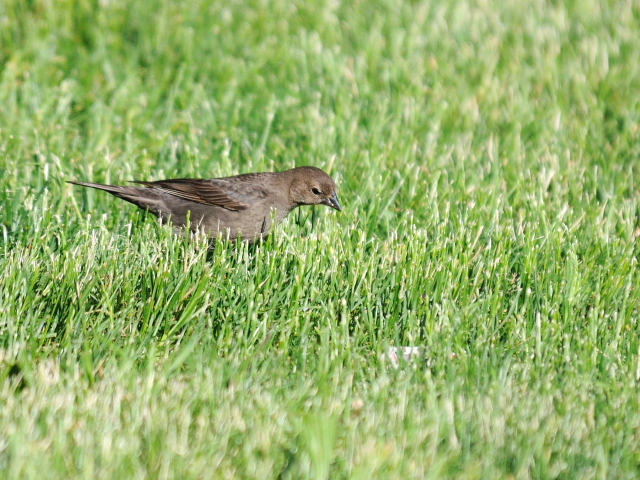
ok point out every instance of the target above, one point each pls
(487, 154)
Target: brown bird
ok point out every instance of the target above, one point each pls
(230, 206)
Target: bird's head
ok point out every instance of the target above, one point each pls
(311, 186)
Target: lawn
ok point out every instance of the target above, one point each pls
(487, 154)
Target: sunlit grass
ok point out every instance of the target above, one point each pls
(486, 155)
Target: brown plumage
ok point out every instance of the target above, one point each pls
(230, 206)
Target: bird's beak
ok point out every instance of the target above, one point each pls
(334, 202)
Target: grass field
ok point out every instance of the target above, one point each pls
(487, 154)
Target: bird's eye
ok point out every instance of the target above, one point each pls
(315, 191)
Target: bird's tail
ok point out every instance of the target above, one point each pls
(142, 197)
(114, 189)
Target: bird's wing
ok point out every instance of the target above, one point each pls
(225, 193)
